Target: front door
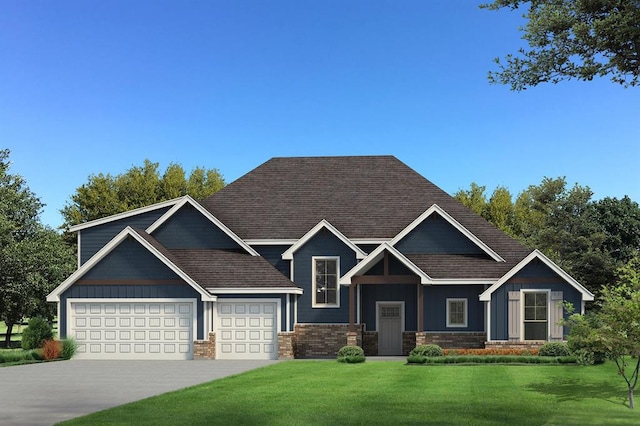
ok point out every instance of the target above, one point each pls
(389, 328)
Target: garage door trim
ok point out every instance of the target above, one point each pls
(278, 315)
(115, 301)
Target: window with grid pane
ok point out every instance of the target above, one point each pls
(456, 312)
(325, 281)
(536, 316)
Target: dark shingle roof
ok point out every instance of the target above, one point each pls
(222, 268)
(459, 266)
(363, 197)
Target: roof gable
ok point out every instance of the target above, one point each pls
(188, 201)
(128, 232)
(323, 224)
(437, 210)
(536, 254)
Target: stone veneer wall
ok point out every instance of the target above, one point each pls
(286, 344)
(319, 340)
(507, 344)
(370, 343)
(205, 349)
(408, 341)
(457, 340)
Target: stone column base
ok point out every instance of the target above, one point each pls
(286, 342)
(205, 349)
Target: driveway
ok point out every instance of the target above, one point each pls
(47, 393)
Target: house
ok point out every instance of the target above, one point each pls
(301, 256)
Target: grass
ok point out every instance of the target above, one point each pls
(383, 393)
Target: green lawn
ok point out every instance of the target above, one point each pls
(390, 393)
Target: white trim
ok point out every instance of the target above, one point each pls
(380, 303)
(463, 281)
(255, 290)
(376, 241)
(466, 312)
(535, 290)
(188, 200)
(270, 241)
(54, 296)
(446, 216)
(488, 322)
(295, 312)
(313, 282)
(536, 254)
(288, 313)
(288, 255)
(79, 257)
(375, 256)
(126, 214)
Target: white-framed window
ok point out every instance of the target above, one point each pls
(326, 293)
(536, 315)
(456, 312)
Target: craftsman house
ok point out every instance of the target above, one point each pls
(301, 256)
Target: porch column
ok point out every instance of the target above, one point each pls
(420, 307)
(352, 307)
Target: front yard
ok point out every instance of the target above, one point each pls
(383, 393)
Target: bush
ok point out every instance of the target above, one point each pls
(490, 359)
(51, 349)
(416, 359)
(584, 357)
(490, 351)
(37, 332)
(554, 349)
(351, 354)
(16, 356)
(69, 347)
(427, 350)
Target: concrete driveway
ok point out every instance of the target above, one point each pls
(47, 393)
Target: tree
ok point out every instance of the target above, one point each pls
(105, 195)
(33, 258)
(568, 39)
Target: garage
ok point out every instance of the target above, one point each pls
(128, 329)
(247, 329)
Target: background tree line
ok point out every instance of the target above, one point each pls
(590, 239)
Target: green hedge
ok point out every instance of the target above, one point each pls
(351, 354)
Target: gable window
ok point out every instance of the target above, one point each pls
(535, 315)
(325, 282)
(456, 312)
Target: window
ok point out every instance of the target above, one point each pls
(325, 282)
(535, 316)
(456, 312)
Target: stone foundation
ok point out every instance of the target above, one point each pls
(320, 340)
(456, 340)
(205, 349)
(408, 341)
(286, 344)
(370, 343)
(514, 344)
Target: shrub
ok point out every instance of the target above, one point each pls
(416, 359)
(490, 351)
(554, 349)
(51, 349)
(427, 350)
(16, 356)
(584, 357)
(37, 332)
(351, 354)
(69, 347)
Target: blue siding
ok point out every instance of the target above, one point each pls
(189, 229)
(435, 307)
(94, 238)
(436, 236)
(322, 244)
(407, 293)
(549, 280)
(129, 260)
(283, 305)
(273, 255)
(395, 268)
(130, 291)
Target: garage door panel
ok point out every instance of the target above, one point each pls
(247, 330)
(133, 330)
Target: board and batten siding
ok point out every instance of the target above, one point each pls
(372, 293)
(273, 255)
(506, 321)
(437, 236)
(322, 244)
(190, 229)
(94, 238)
(435, 307)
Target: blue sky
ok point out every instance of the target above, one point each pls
(90, 87)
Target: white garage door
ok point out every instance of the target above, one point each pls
(247, 329)
(112, 329)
